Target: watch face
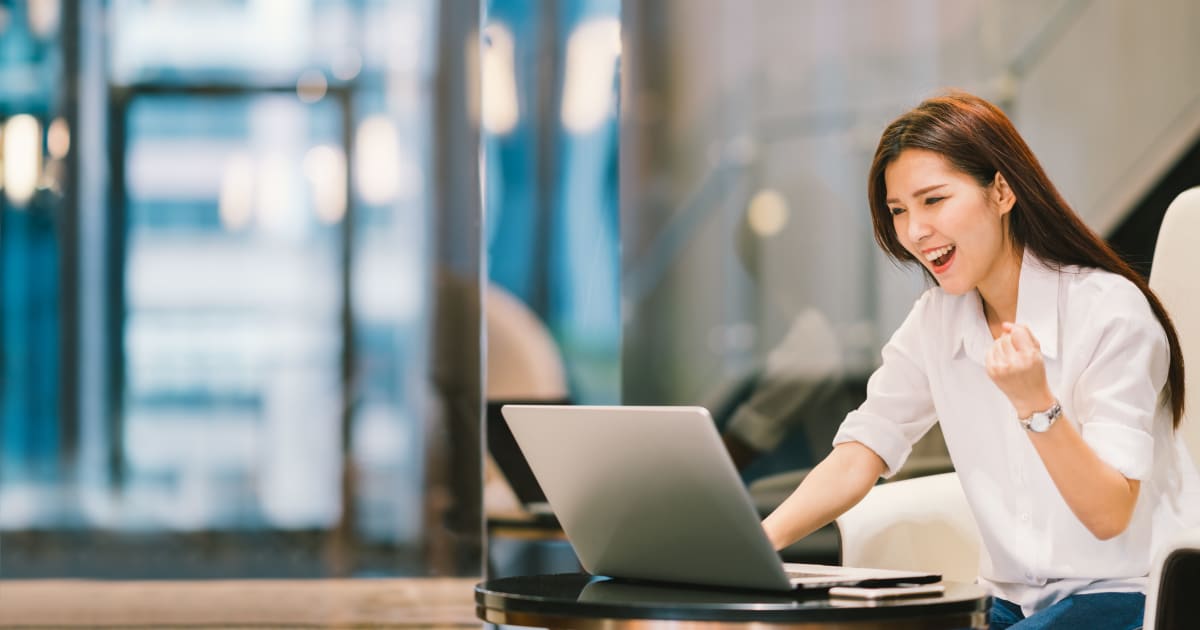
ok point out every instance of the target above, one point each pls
(1039, 422)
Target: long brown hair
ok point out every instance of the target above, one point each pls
(976, 138)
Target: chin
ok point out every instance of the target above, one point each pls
(955, 289)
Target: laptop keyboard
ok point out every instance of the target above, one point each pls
(796, 573)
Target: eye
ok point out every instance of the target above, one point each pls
(896, 211)
(929, 201)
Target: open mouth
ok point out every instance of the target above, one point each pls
(940, 258)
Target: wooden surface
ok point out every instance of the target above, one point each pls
(386, 603)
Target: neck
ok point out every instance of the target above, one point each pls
(999, 289)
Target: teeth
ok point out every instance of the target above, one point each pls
(938, 253)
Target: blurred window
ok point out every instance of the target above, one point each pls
(550, 187)
(255, 395)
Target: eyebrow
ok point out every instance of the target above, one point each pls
(917, 194)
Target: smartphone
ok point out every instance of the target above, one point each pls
(887, 592)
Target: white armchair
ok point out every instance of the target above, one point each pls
(923, 524)
(523, 360)
(1171, 599)
(1175, 277)
(1171, 602)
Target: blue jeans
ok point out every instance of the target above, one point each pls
(1094, 611)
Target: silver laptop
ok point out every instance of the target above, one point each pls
(650, 493)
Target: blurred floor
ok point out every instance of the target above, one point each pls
(384, 603)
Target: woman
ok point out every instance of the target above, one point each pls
(1054, 371)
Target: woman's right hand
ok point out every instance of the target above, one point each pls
(835, 485)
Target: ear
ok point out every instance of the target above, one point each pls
(1002, 195)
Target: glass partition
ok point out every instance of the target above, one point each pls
(229, 346)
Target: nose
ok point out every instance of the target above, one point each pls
(918, 228)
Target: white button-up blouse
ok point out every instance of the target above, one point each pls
(1106, 359)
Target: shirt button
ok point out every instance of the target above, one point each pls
(1024, 517)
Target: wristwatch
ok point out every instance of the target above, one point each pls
(1040, 421)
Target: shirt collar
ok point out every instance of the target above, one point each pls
(1037, 308)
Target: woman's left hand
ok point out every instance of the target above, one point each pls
(1014, 363)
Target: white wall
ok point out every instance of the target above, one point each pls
(1114, 102)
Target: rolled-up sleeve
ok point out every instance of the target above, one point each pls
(899, 405)
(1118, 394)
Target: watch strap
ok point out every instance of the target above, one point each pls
(1051, 415)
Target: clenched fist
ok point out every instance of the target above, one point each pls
(1014, 363)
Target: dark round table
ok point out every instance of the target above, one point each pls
(578, 600)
